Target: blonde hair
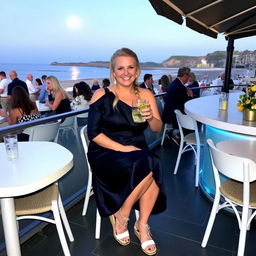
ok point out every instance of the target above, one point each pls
(192, 75)
(128, 53)
(56, 86)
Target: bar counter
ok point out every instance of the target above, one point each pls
(220, 125)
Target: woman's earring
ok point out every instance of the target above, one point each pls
(114, 80)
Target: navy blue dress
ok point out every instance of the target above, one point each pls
(115, 173)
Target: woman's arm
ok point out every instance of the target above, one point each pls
(151, 114)
(12, 119)
(58, 98)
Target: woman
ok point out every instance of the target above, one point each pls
(118, 152)
(22, 110)
(192, 83)
(58, 98)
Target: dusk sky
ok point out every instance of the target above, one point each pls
(88, 30)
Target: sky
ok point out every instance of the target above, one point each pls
(38, 32)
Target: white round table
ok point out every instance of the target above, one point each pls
(42, 107)
(39, 165)
(220, 125)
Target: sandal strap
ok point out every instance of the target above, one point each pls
(145, 244)
(122, 235)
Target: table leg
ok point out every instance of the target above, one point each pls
(10, 227)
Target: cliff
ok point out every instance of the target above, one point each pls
(217, 59)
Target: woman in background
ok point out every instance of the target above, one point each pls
(82, 95)
(58, 98)
(22, 110)
(126, 174)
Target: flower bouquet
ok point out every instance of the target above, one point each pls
(247, 103)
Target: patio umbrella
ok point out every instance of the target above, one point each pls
(232, 18)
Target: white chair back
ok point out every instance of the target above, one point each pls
(85, 143)
(69, 121)
(185, 121)
(44, 132)
(231, 166)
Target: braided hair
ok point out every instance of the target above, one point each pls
(128, 53)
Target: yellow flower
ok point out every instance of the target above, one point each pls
(247, 102)
(253, 88)
(240, 107)
(254, 106)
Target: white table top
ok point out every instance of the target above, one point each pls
(39, 165)
(242, 148)
(42, 107)
(2, 119)
(205, 110)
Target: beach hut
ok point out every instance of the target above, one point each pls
(234, 19)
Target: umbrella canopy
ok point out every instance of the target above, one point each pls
(233, 18)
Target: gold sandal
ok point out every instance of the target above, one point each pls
(145, 244)
(119, 237)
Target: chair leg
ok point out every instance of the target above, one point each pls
(98, 224)
(178, 157)
(87, 194)
(137, 214)
(163, 136)
(211, 219)
(59, 227)
(197, 165)
(243, 230)
(65, 220)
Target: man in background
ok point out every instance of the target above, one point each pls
(43, 96)
(177, 95)
(31, 88)
(4, 81)
(15, 82)
(148, 82)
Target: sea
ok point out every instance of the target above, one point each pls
(89, 73)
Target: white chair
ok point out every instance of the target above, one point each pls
(167, 127)
(43, 132)
(89, 190)
(239, 191)
(192, 141)
(43, 201)
(67, 124)
(77, 117)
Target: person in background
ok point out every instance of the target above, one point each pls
(58, 98)
(192, 83)
(38, 84)
(220, 82)
(105, 82)
(32, 90)
(170, 79)
(95, 85)
(43, 96)
(23, 110)
(82, 95)
(177, 95)
(165, 83)
(126, 174)
(4, 81)
(15, 82)
(148, 82)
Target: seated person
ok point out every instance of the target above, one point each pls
(105, 82)
(192, 83)
(95, 85)
(82, 95)
(23, 110)
(58, 98)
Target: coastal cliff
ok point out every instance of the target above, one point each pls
(217, 59)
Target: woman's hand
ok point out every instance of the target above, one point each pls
(147, 113)
(129, 148)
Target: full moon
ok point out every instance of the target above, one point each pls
(73, 22)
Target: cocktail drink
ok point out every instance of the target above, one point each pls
(137, 106)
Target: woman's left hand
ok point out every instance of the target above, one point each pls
(147, 113)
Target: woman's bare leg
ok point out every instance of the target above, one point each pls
(124, 211)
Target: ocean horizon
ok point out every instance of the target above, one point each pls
(90, 73)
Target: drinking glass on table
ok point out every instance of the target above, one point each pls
(11, 146)
(137, 106)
